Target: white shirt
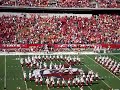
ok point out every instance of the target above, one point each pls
(30, 74)
(88, 76)
(21, 61)
(95, 58)
(69, 81)
(57, 56)
(24, 74)
(53, 82)
(36, 80)
(63, 81)
(41, 79)
(39, 57)
(82, 80)
(58, 81)
(91, 79)
(87, 79)
(78, 80)
(50, 66)
(73, 81)
(47, 81)
(37, 64)
(84, 76)
(51, 79)
(26, 61)
(96, 75)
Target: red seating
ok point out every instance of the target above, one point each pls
(63, 3)
(36, 29)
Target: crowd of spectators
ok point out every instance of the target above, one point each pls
(108, 3)
(63, 3)
(36, 29)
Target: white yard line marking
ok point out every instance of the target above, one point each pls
(48, 87)
(65, 82)
(90, 87)
(116, 57)
(69, 87)
(5, 74)
(102, 80)
(24, 81)
(103, 67)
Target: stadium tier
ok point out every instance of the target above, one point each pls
(59, 29)
(63, 3)
(65, 51)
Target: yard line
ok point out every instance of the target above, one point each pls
(67, 84)
(24, 81)
(103, 67)
(116, 57)
(88, 86)
(48, 87)
(5, 74)
(102, 80)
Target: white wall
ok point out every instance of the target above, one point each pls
(46, 14)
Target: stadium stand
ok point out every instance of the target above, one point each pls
(63, 3)
(37, 29)
(59, 50)
(60, 32)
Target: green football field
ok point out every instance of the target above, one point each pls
(11, 74)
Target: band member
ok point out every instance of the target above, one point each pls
(24, 74)
(91, 80)
(87, 81)
(22, 62)
(48, 82)
(78, 82)
(73, 83)
(30, 76)
(41, 81)
(58, 83)
(82, 81)
(69, 82)
(96, 76)
(36, 81)
(51, 80)
(63, 83)
(53, 83)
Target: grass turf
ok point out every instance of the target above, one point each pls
(14, 75)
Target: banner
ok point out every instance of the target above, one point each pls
(13, 45)
(60, 45)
